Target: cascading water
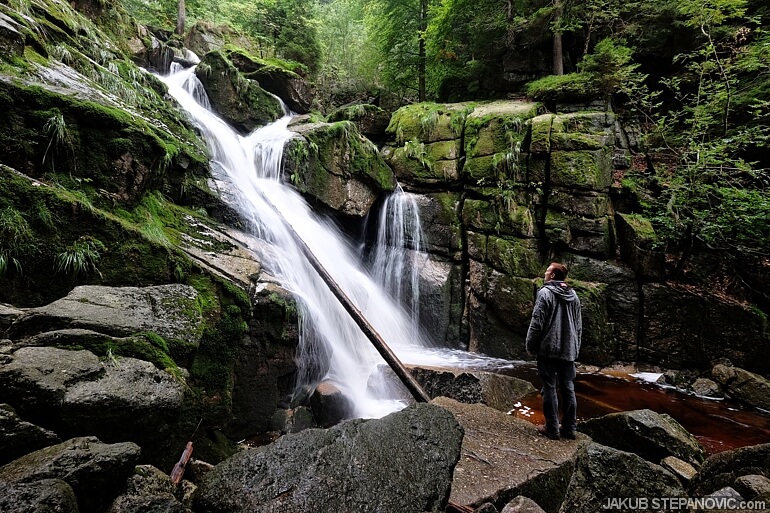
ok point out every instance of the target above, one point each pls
(397, 256)
(331, 344)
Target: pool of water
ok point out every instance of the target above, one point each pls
(718, 425)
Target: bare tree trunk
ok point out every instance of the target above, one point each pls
(558, 53)
(180, 17)
(421, 58)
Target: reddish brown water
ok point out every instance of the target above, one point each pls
(718, 425)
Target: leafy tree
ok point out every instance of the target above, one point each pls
(397, 29)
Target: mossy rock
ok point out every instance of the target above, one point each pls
(514, 256)
(433, 163)
(589, 204)
(640, 246)
(428, 122)
(511, 216)
(372, 121)
(557, 229)
(540, 129)
(440, 212)
(582, 169)
(334, 164)
(583, 131)
(240, 101)
(498, 127)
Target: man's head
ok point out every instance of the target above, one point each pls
(556, 271)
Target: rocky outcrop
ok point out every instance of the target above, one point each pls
(370, 120)
(43, 495)
(504, 457)
(402, 462)
(334, 165)
(722, 469)
(744, 386)
(95, 471)
(170, 311)
(646, 433)
(494, 390)
(238, 100)
(329, 404)
(290, 87)
(603, 474)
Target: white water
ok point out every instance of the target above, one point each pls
(397, 256)
(331, 346)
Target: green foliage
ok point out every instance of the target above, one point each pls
(562, 88)
(56, 128)
(612, 69)
(80, 257)
(17, 239)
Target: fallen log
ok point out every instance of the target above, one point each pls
(379, 344)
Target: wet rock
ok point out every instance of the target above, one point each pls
(330, 405)
(743, 386)
(238, 100)
(42, 496)
(335, 165)
(487, 507)
(402, 462)
(603, 473)
(646, 433)
(681, 469)
(494, 390)
(503, 457)
(18, 437)
(74, 393)
(293, 420)
(148, 490)
(722, 469)
(705, 387)
(168, 310)
(290, 87)
(522, 504)
(753, 485)
(94, 470)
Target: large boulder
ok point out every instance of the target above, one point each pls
(75, 393)
(290, 87)
(402, 462)
(18, 437)
(333, 164)
(372, 121)
(494, 390)
(238, 100)
(744, 386)
(722, 469)
(504, 457)
(603, 474)
(171, 311)
(38, 496)
(95, 471)
(644, 432)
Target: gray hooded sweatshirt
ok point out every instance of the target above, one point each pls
(556, 327)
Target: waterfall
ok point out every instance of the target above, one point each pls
(398, 256)
(331, 345)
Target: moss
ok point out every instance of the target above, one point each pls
(514, 256)
(428, 122)
(581, 169)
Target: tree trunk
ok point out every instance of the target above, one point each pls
(421, 50)
(180, 17)
(558, 53)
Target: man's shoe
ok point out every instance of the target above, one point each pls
(543, 431)
(568, 435)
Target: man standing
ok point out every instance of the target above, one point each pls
(554, 336)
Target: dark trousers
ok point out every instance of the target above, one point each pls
(551, 372)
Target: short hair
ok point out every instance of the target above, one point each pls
(559, 271)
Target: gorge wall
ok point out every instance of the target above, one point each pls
(504, 188)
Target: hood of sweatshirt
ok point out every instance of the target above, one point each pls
(561, 290)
